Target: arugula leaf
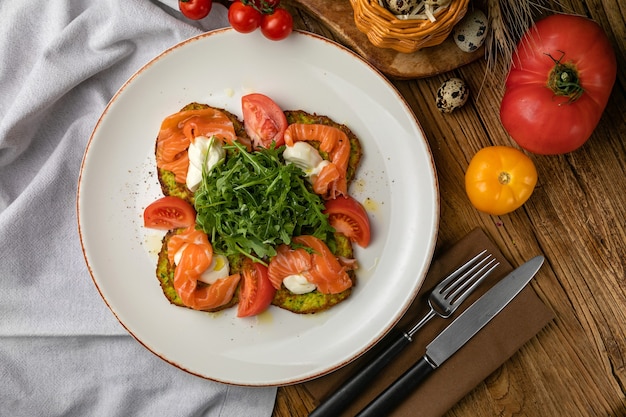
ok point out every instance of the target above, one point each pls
(252, 202)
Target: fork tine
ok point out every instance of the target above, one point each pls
(461, 292)
(442, 301)
(452, 277)
(455, 286)
(463, 281)
(445, 284)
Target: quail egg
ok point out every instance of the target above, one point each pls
(452, 95)
(470, 33)
(399, 7)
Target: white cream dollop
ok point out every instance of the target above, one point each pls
(205, 152)
(305, 157)
(218, 269)
(298, 284)
(179, 253)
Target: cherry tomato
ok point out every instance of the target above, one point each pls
(243, 18)
(256, 292)
(349, 217)
(560, 81)
(169, 213)
(264, 120)
(278, 25)
(195, 9)
(499, 179)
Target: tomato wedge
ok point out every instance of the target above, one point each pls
(256, 292)
(168, 213)
(264, 120)
(349, 217)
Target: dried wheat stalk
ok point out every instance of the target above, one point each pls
(509, 20)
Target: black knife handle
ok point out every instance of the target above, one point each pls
(340, 399)
(399, 390)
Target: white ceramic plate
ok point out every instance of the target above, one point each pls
(396, 182)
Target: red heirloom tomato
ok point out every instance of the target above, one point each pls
(264, 120)
(257, 292)
(558, 86)
(244, 18)
(195, 9)
(169, 213)
(349, 217)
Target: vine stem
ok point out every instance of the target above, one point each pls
(564, 80)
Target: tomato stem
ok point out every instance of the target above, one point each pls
(504, 178)
(563, 80)
(263, 6)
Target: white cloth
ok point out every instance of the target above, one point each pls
(62, 353)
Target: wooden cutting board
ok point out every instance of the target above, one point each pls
(338, 16)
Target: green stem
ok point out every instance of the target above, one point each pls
(504, 178)
(563, 80)
(261, 5)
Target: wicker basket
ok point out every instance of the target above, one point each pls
(385, 30)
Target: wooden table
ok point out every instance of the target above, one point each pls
(576, 217)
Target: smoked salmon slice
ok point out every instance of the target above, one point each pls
(179, 130)
(332, 180)
(287, 262)
(195, 258)
(318, 265)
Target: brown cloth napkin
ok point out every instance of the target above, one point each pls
(483, 354)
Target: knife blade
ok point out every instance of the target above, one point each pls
(453, 337)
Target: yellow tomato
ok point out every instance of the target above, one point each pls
(499, 179)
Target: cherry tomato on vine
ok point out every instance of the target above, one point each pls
(243, 17)
(499, 179)
(195, 9)
(278, 25)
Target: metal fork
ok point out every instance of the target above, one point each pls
(448, 295)
(443, 301)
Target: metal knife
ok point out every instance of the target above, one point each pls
(453, 337)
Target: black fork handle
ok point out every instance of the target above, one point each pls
(333, 405)
(391, 397)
